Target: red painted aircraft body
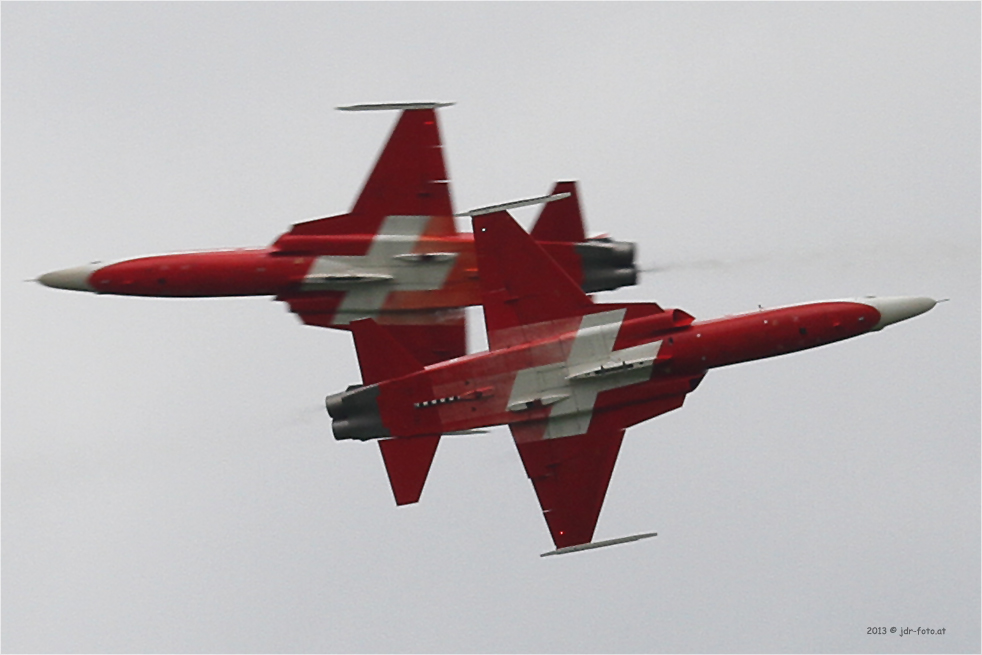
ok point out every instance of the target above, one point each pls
(396, 257)
(565, 374)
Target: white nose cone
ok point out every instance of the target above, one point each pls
(896, 309)
(73, 279)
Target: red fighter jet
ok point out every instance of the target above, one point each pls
(567, 375)
(396, 257)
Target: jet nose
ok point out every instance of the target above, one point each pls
(73, 279)
(894, 310)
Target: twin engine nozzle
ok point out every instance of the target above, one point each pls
(356, 414)
(607, 264)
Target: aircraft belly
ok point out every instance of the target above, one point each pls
(564, 393)
(569, 402)
(369, 281)
(573, 416)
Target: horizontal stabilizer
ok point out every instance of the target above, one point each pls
(429, 336)
(407, 461)
(600, 544)
(434, 342)
(380, 356)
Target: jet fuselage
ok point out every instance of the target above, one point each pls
(443, 266)
(602, 363)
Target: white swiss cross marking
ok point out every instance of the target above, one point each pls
(387, 266)
(570, 388)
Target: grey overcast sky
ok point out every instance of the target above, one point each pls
(170, 482)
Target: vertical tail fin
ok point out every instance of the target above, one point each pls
(598, 264)
(561, 220)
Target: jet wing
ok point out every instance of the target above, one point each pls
(405, 198)
(571, 474)
(409, 179)
(520, 284)
(525, 293)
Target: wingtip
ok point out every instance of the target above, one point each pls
(599, 544)
(384, 106)
(494, 209)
